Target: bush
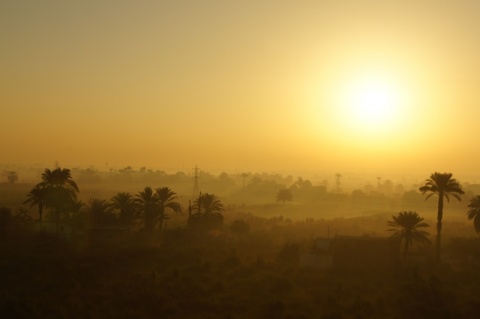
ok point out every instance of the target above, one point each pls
(240, 227)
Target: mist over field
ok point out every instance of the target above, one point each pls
(321, 196)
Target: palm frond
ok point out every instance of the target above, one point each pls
(457, 196)
(476, 223)
(405, 226)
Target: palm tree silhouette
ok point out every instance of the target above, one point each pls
(60, 191)
(146, 202)
(208, 214)
(209, 203)
(75, 219)
(474, 212)
(442, 185)
(36, 196)
(125, 204)
(406, 226)
(166, 199)
(100, 212)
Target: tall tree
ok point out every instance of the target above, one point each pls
(407, 227)
(124, 203)
(36, 196)
(474, 212)
(60, 191)
(166, 200)
(146, 202)
(443, 186)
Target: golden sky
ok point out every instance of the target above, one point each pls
(368, 86)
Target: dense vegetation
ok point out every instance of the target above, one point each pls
(217, 259)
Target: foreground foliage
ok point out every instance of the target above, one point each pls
(217, 275)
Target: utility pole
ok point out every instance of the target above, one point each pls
(196, 189)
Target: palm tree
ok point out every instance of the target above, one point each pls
(442, 185)
(36, 196)
(474, 212)
(166, 199)
(208, 214)
(60, 191)
(125, 204)
(146, 202)
(209, 203)
(75, 219)
(406, 227)
(100, 212)
(284, 194)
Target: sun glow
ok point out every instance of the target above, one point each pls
(371, 103)
(359, 110)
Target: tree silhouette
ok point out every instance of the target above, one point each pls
(36, 196)
(406, 226)
(12, 177)
(60, 192)
(124, 203)
(100, 212)
(442, 185)
(474, 212)
(76, 218)
(208, 212)
(208, 204)
(146, 202)
(284, 195)
(166, 200)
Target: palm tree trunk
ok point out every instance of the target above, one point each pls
(160, 225)
(40, 212)
(405, 249)
(438, 246)
(74, 227)
(40, 215)
(57, 222)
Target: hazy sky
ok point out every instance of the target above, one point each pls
(242, 85)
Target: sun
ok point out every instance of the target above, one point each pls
(366, 108)
(370, 103)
